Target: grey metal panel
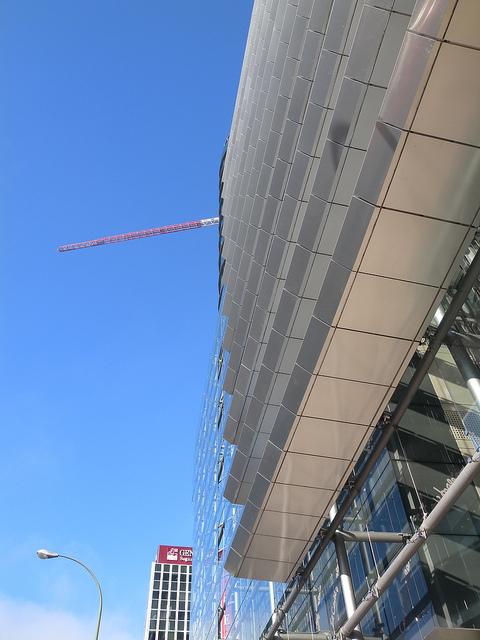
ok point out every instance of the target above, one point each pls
(241, 386)
(299, 270)
(280, 61)
(312, 226)
(287, 146)
(288, 77)
(340, 17)
(264, 384)
(278, 389)
(255, 412)
(383, 145)
(346, 112)
(298, 175)
(315, 279)
(259, 489)
(229, 382)
(275, 256)
(324, 76)
(286, 217)
(371, 29)
(296, 388)
(244, 441)
(268, 419)
(298, 36)
(231, 490)
(357, 220)
(241, 541)
(290, 355)
(280, 113)
(235, 356)
(282, 427)
(266, 171)
(250, 516)
(387, 56)
(239, 464)
(313, 44)
(254, 277)
(279, 179)
(313, 344)
(235, 410)
(248, 304)
(320, 14)
(270, 213)
(332, 291)
(241, 331)
(251, 352)
(286, 312)
(367, 117)
(270, 460)
(298, 101)
(333, 156)
(302, 318)
(333, 226)
(258, 323)
(266, 291)
(312, 125)
(288, 21)
(347, 180)
(262, 242)
(230, 430)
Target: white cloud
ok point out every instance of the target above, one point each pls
(27, 620)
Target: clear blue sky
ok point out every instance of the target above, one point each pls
(112, 118)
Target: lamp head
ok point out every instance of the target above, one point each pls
(43, 554)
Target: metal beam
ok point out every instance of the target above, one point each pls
(372, 536)
(466, 476)
(284, 635)
(389, 428)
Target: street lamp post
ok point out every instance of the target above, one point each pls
(43, 554)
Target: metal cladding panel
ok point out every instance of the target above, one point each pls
(362, 142)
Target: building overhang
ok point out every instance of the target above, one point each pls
(338, 257)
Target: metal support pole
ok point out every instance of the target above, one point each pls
(456, 303)
(438, 513)
(281, 635)
(346, 583)
(372, 536)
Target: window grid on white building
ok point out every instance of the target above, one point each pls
(168, 615)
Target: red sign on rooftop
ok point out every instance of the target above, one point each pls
(174, 555)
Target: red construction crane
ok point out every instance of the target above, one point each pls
(146, 233)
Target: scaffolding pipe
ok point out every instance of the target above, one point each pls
(326, 536)
(466, 476)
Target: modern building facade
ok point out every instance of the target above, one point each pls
(168, 612)
(337, 470)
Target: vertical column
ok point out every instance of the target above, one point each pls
(346, 583)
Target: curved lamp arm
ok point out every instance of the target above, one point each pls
(45, 555)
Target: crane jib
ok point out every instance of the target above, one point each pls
(145, 233)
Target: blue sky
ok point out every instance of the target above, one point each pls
(113, 118)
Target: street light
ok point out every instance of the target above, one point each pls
(43, 554)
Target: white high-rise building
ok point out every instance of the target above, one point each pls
(168, 613)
